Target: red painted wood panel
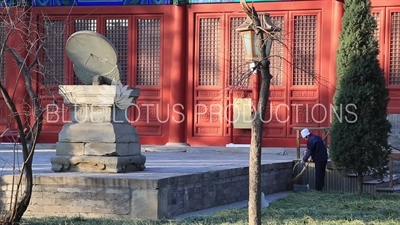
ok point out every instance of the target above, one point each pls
(55, 67)
(206, 100)
(149, 119)
(277, 130)
(392, 58)
(150, 115)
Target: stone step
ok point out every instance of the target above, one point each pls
(395, 189)
(384, 183)
(366, 178)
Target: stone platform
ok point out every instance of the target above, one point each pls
(173, 183)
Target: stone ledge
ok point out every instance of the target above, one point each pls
(99, 164)
(98, 149)
(119, 196)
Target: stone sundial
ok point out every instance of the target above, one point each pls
(94, 58)
(99, 137)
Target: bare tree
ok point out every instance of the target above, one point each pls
(258, 116)
(257, 126)
(19, 26)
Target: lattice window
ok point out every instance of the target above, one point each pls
(54, 52)
(3, 58)
(148, 52)
(210, 48)
(276, 55)
(377, 18)
(394, 68)
(86, 24)
(79, 25)
(238, 65)
(304, 49)
(118, 33)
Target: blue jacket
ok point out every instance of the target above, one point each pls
(316, 149)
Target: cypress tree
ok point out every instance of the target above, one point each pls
(360, 129)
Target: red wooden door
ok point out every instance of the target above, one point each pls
(388, 37)
(149, 117)
(139, 40)
(392, 57)
(300, 86)
(304, 97)
(208, 83)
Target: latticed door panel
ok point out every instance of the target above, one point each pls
(379, 16)
(238, 79)
(304, 50)
(238, 66)
(81, 24)
(148, 64)
(209, 52)
(278, 52)
(117, 31)
(392, 69)
(3, 34)
(394, 52)
(53, 62)
(208, 105)
(277, 112)
(53, 72)
(3, 106)
(150, 114)
(239, 75)
(304, 99)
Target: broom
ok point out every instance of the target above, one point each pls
(299, 176)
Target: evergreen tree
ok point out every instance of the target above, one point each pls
(360, 129)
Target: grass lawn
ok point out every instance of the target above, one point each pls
(297, 208)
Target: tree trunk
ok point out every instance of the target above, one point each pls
(19, 207)
(254, 171)
(360, 183)
(258, 126)
(21, 204)
(256, 145)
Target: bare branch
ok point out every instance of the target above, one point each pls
(21, 23)
(35, 60)
(246, 8)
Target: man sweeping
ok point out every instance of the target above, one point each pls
(317, 150)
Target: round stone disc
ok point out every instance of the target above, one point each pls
(93, 54)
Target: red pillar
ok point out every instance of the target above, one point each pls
(337, 27)
(177, 120)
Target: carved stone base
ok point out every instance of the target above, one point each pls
(98, 164)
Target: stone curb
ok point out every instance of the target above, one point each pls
(170, 148)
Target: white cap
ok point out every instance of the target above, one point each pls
(305, 132)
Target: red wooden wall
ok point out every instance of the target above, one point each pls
(387, 15)
(301, 77)
(186, 59)
(142, 38)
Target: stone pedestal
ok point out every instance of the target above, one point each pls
(99, 137)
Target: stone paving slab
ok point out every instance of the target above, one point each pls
(170, 148)
(158, 164)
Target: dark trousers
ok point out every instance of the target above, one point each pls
(320, 174)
